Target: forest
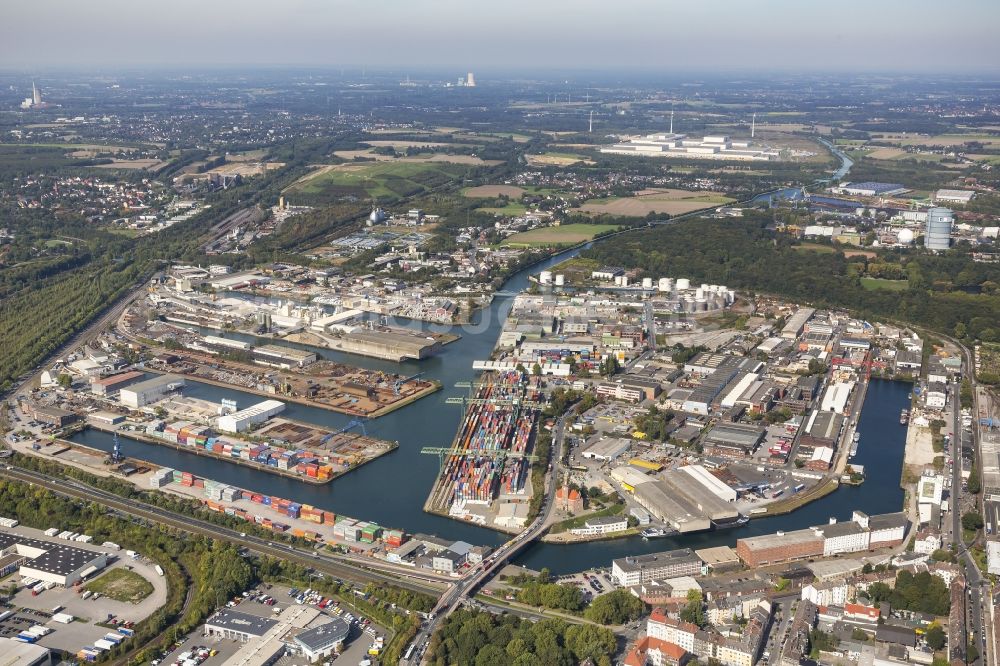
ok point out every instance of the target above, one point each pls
(949, 293)
(482, 639)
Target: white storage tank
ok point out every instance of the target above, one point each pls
(699, 293)
(545, 277)
(624, 280)
(618, 280)
(560, 280)
(647, 283)
(683, 283)
(665, 284)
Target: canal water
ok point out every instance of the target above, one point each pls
(391, 490)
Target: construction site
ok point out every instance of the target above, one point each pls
(485, 474)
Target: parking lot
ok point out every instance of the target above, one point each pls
(268, 601)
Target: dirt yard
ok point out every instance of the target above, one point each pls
(491, 191)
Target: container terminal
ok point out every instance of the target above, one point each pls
(484, 475)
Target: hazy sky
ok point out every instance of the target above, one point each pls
(657, 35)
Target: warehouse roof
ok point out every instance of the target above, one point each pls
(780, 539)
(653, 560)
(233, 620)
(324, 636)
(887, 521)
(52, 557)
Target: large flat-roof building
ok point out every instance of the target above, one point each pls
(52, 562)
(664, 503)
(147, 392)
(113, 384)
(679, 145)
(18, 653)
(633, 570)
(390, 345)
(243, 419)
(283, 357)
(237, 626)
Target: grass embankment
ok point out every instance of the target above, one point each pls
(579, 521)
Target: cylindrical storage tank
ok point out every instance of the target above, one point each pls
(905, 237)
(618, 280)
(699, 293)
(647, 283)
(545, 277)
(664, 284)
(683, 283)
(624, 280)
(938, 230)
(730, 296)
(560, 280)
(704, 287)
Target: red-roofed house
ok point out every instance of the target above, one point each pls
(669, 630)
(654, 652)
(860, 613)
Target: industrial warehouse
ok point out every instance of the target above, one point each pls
(298, 630)
(679, 145)
(48, 562)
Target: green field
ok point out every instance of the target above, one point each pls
(814, 247)
(879, 283)
(121, 585)
(383, 181)
(510, 210)
(567, 234)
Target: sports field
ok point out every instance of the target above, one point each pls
(567, 234)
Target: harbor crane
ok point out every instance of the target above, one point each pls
(353, 424)
(399, 382)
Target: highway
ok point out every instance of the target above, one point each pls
(321, 562)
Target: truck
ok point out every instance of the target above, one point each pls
(159, 570)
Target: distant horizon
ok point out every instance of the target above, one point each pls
(889, 36)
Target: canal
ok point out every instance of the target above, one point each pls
(391, 490)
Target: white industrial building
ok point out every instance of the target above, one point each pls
(835, 397)
(147, 392)
(679, 145)
(243, 419)
(711, 482)
(930, 488)
(19, 653)
(51, 562)
(954, 196)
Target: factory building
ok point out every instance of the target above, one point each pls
(606, 448)
(50, 562)
(113, 384)
(861, 533)
(711, 482)
(870, 189)
(733, 440)
(688, 489)
(664, 503)
(796, 323)
(147, 392)
(243, 419)
(638, 569)
(236, 626)
(954, 196)
(283, 357)
(53, 416)
(679, 145)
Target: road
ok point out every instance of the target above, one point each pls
(467, 586)
(321, 562)
(973, 577)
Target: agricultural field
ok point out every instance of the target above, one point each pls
(493, 191)
(567, 234)
(382, 181)
(667, 201)
(557, 159)
(991, 140)
(121, 585)
(512, 209)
